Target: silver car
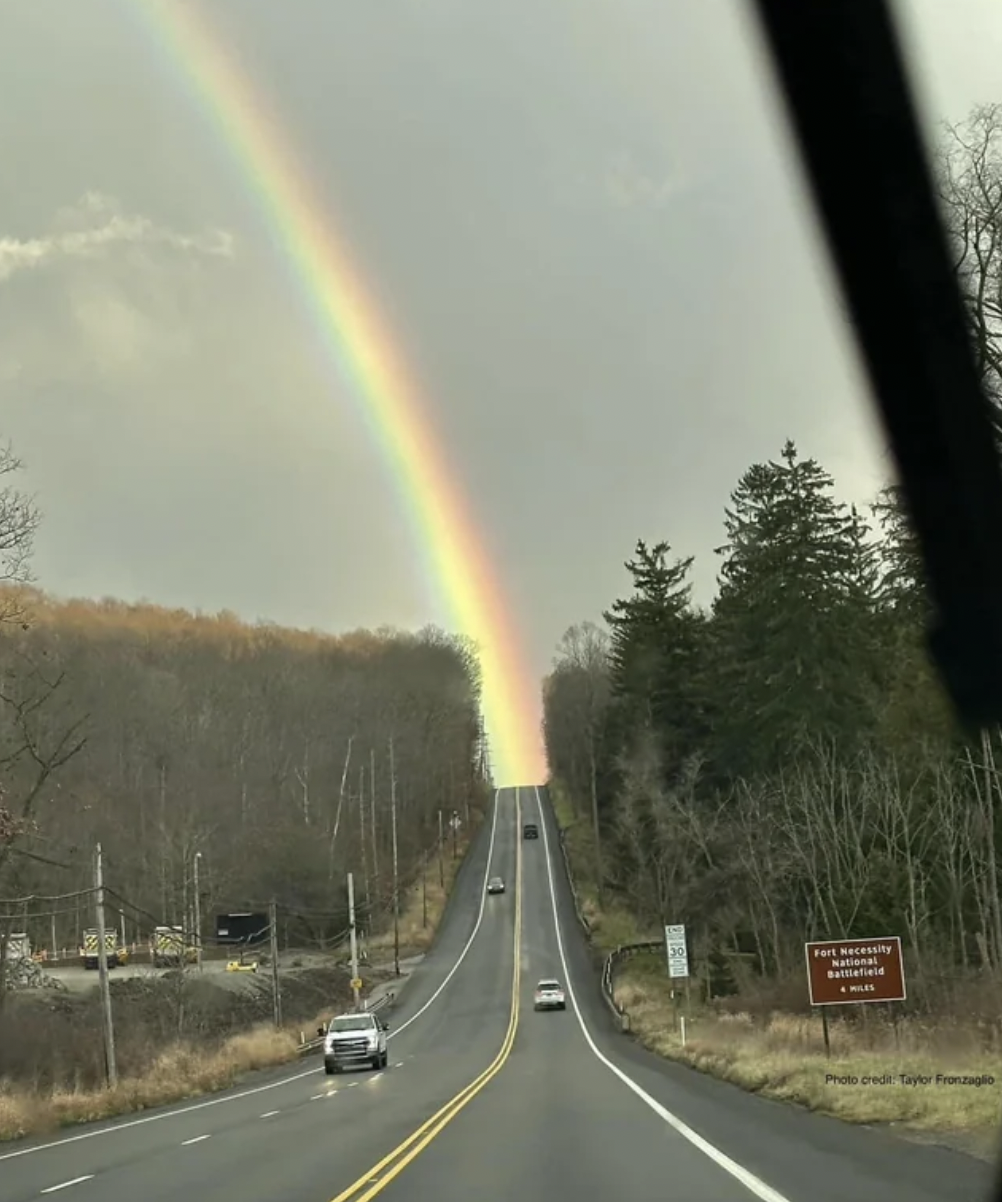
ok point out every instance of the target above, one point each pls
(549, 995)
(495, 885)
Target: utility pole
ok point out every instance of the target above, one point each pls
(441, 859)
(353, 938)
(396, 877)
(102, 967)
(361, 836)
(454, 824)
(372, 814)
(198, 915)
(276, 991)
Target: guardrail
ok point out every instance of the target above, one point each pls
(314, 1045)
(579, 913)
(625, 951)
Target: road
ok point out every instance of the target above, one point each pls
(556, 1105)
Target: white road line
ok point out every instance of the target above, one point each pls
(63, 1184)
(269, 1114)
(400, 1065)
(197, 1140)
(156, 1118)
(317, 1096)
(476, 928)
(248, 1093)
(758, 1187)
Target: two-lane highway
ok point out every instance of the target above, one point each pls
(300, 1133)
(582, 1112)
(487, 1098)
(555, 1123)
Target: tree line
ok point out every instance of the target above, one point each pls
(783, 765)
(277, 757)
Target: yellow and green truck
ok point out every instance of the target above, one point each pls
(89, 951)
(170, 949)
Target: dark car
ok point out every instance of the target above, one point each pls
(530, 831)
(495, 885)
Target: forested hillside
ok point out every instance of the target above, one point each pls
(784, 765)
(265, 752)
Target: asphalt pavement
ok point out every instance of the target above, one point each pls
(298, 1133)
(584, 1112)
(556, 1103)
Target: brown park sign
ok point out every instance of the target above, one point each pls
(841, 972)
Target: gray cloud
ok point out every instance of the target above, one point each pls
(584, 230)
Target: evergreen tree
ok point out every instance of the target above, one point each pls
(654, 654)
(793, 617)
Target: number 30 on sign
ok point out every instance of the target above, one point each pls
(678, 955)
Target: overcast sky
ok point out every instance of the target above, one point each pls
(583, 223)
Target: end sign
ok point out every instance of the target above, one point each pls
(842, 972)
(678, 952)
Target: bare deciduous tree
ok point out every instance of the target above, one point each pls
(19, 519)
(971, 192)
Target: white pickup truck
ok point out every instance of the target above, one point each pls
(353, 1039)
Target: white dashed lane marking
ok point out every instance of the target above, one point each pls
(197, 1140)
(63, 1184)
(268, 1113)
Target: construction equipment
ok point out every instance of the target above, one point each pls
(18, 947)
(170, 949)
(115, 952)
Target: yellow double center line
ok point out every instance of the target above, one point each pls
(380, 1175)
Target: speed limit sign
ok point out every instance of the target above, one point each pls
(678, 955)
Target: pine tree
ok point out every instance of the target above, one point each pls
(793, 617)
(915, 708)
(654, 654)
(903, 584)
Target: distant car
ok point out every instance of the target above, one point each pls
(530, 831)
(495, 885)
(549, 995)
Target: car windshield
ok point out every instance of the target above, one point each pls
(352, 1022)
(545, 985)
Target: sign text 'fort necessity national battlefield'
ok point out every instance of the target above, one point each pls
(841, 972)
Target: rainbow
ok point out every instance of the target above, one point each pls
(468, 591)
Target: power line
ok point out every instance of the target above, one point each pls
(109, 892)
(23, 917)
(41, 897)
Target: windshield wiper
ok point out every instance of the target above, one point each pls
(847, 95)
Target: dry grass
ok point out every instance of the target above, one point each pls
(782, 1056)
(422, 906)
(180, 1071)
